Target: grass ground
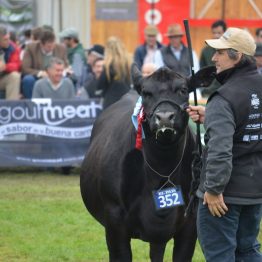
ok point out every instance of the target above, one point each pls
(43, 218)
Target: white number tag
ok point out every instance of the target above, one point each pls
(168, 197)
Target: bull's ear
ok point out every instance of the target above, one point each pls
(136, 77)
(203, 78)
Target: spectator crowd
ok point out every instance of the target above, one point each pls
(46, 67)
(229, 210)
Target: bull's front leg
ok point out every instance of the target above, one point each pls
(157, 252)
(185, 241)
(117, 239)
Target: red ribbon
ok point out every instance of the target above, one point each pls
(140, 119)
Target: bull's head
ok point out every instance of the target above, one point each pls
(165, 97)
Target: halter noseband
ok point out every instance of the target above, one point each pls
(181, 107)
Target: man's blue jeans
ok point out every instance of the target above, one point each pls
(232, 237)
(28, 82)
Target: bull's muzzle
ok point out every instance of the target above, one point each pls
(165, 124)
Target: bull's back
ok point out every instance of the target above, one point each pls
(112, 138)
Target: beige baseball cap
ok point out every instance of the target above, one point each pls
(235, 38)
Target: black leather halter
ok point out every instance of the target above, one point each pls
(181, 107)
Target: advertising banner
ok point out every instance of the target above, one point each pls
(116, 10)
(44, 132)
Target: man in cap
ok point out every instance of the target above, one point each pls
(230, 190)
(75, 54)
(95, 52)
(145, 53)
(176, 55)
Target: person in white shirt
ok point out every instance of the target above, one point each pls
(145, 53)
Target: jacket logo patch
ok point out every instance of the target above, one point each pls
(253, 126)
(254, 116)
(255, 102)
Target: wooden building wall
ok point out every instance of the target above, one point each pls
(234, 12)
(127, 31)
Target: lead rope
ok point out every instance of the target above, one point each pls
(174, 170)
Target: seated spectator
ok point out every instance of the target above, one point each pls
(148, 69)
(258, 57)
(258, 38)
(36, 33)
(97, 69)
(27, 40)
(115, 79)
(75, 54)
(54, 86)
(9, 66)
(145, 53)
(36, 59)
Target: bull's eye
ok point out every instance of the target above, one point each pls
(183, 91)
(146, 94)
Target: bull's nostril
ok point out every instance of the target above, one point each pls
(158, 117)
(165, 117)
(171, 116)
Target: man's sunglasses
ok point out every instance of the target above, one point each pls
(175, 36)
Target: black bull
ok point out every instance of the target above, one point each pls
(117, 180)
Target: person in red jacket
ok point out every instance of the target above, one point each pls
(10, 65)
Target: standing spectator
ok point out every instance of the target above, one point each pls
(97, 69)
(75, 54)
(259, 35)
(176, 55)
(115, 80)
(96, 51)
(230, 190)
(36, 59)
(258, 57)
(9, 66)
(54, 86)
(145, 53)
(218, 28)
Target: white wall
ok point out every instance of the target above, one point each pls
(74, 13)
